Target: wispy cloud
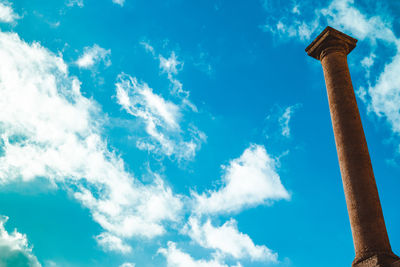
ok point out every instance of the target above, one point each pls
(48, 129)
(14, 248)
(94, 55)
(249, 180)
(161, 118)
(119, 2)
(285, 118)
(148, 47)
(278, 123)
(228, 241)
(7, 13)
(172, 66)
(72, 3)
(285, 19)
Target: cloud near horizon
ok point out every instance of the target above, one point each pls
(177, 258)
(228, 241)
(14, 248)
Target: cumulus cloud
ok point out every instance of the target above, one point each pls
(228, 241)
(94, 55)
(248, 181)
(127, 264)
(49, 129)
(177, 258)
(7, 13)
(161, 118)
(119, 2)
(133, 210)
(14, 248)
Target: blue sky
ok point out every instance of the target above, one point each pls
(186, 133)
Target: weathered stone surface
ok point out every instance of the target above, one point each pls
(379, 260)
(370, 237)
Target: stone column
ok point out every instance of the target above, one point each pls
(371, 242)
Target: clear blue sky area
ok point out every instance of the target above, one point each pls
(186, 133)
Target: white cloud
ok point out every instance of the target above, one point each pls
(48, 129)
(367, 62)
(249, 180)
(385, 94)
(119, 2)
(127, 264)
(94, 55)
(299, 29)
(14, 248)
(284, 120)
(344, 15)
(340, 14)
(7, 13)
(285, 19)
(177, 258)
(227, 240)
(140, 97)
(161, 118)
(149, 48)
(72, 3)
(170, 65)
(133, 210)
(296, 10)
(110, 242)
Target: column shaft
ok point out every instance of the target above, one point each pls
(364, 208)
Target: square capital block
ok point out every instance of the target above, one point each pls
(330, 38)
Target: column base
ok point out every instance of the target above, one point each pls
(378, 260)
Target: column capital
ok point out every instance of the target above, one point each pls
(330, 40)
